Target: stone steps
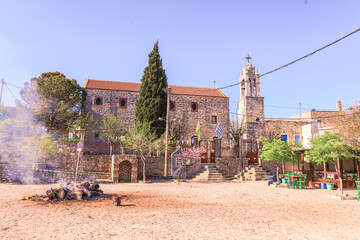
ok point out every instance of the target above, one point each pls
(210, 173)
(256, 173)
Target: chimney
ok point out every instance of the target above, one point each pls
(338, 106)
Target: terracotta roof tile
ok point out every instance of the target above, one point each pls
(135, 87)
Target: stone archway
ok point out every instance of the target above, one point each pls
(124, 168)
(124, 172)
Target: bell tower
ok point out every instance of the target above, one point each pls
(251, 104)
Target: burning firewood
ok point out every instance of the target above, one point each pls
(71, 191)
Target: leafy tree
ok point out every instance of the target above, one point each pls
(140, 139)
(85, 122)
(42, 148)
(54, 99)
(328, 148)
(279, 151)
(151, 104)
(111, 127)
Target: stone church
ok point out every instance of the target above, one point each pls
(188, 106)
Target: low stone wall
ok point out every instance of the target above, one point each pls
(228, 165)
(154, 168)
(192, 170)
(96, 163)
(58, 176)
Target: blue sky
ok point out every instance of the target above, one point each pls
(200, 41)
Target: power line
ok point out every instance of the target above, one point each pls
(10, 91)
(290, 63)
(297, 108)
(13, 85)
(308, 55)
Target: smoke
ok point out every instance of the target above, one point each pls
(24, 145)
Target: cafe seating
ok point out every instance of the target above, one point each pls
(358, 188)
(302, 181)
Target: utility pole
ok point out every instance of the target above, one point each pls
(241, 163)
(167, 90)
(1, 90)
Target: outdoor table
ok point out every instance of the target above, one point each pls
(293, 178)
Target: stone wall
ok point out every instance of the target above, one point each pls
(229, 165)
(154, 168)
(290, 127)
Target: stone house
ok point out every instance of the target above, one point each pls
(188, 106)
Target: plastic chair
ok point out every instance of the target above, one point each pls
(302, 182)
(358, 188)
(289, 182)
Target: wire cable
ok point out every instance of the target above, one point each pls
(307, 55)
(312, 53)
(13, 85)
(10, 91)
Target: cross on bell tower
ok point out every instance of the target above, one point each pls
(248, 58)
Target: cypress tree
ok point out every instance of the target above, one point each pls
(151, 104)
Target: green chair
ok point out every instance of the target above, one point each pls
(358, 188)
(302, 182)
(289, 182)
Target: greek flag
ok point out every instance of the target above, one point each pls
(218, 129)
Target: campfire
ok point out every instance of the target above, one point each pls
(71, 191)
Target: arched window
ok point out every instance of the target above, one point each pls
(123, 103)
(254, 87)
(98, 101)
(194, 106)
(250, 87)
(242, 86)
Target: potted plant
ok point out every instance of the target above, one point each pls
(329, 184)
(283, 179)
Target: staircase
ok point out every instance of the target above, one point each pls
(209, 172)
(256, 173)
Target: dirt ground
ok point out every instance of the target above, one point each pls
(186, 210)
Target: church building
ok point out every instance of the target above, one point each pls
(188, 107)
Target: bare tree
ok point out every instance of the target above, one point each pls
(140, 139)
(236, 130)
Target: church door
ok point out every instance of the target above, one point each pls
(252, 151)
